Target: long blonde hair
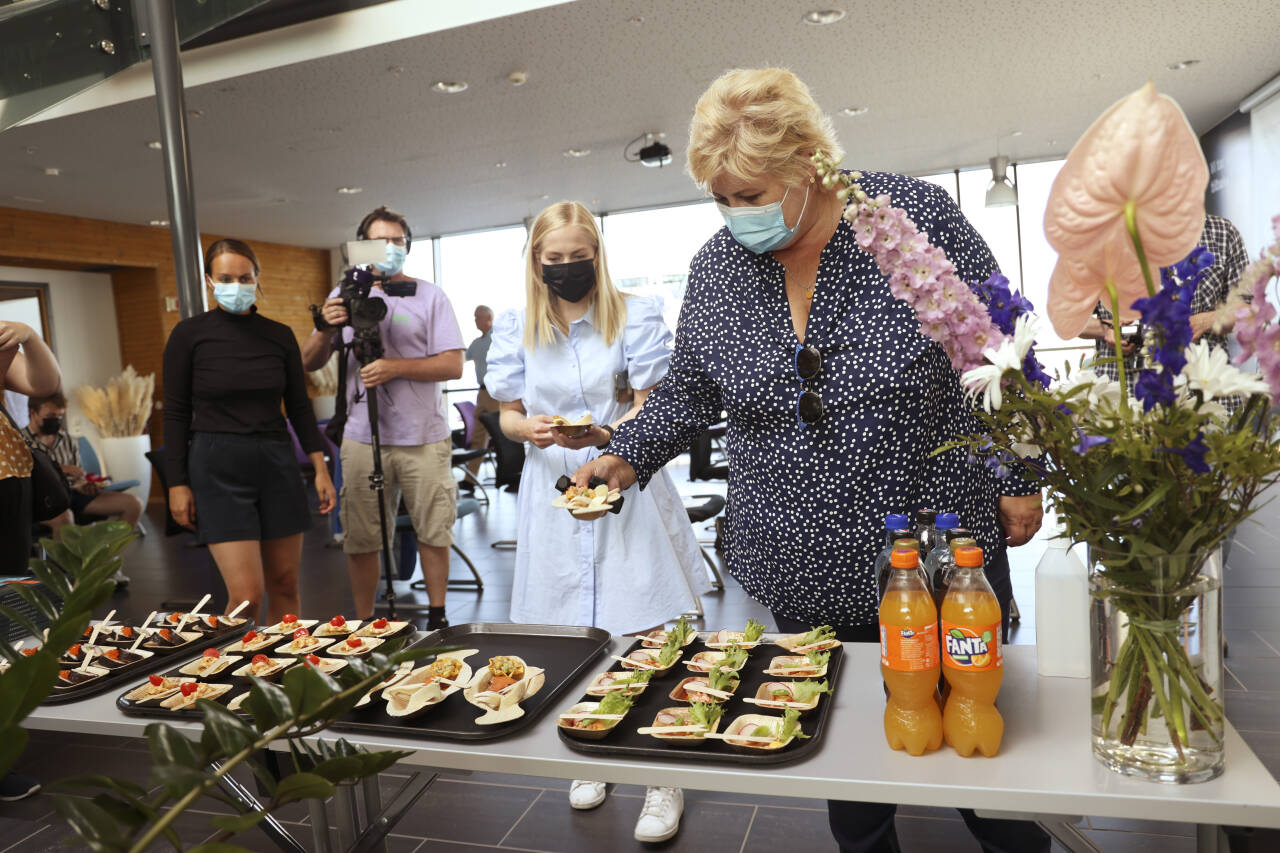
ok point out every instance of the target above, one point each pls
(540, 315)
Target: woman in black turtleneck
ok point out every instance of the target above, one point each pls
(232, 472)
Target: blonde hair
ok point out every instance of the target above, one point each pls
(540, 315)
(757, 121)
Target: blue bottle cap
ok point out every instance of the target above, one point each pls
(948, 520)
(896, 521)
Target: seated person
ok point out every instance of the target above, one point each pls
(47, 431)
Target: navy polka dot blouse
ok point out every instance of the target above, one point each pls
(806, 505)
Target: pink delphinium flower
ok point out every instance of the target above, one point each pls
(921, 275)
(1254, 329)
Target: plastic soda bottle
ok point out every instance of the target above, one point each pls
(945, 566)
(972, 658)
(942, 549)
(909, 658)
(884, 571)
(926, 531)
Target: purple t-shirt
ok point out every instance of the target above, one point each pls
(409, 412)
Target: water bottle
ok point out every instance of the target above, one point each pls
(945, 564)
(926, 531)
(945, 523)
(1062, 611)
(896, 526)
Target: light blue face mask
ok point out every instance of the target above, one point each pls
(763, 228)
(234, 297)
(394, 261)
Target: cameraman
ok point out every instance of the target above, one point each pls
(422, 347)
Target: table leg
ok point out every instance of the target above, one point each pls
(273, 829)
(1068, 834)
(319, 825)
(1210, 838)
(372, 808)
(344, 813)
(379, 826)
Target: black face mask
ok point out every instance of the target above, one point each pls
(50, 426)
(571, 281)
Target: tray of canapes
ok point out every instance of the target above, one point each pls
(113, 652)
(588, 503)
(221, 671)
(495, 679)
(762, 700)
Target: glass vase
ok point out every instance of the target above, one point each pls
(1156, 645)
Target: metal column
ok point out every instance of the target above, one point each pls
(166, 68)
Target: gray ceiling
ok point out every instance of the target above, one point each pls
(942, 81)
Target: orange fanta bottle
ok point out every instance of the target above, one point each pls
(972, 658)
(909, 657)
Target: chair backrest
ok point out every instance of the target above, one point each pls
(88, 456)
(467, 411)
(510, 454)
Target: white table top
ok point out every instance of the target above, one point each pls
(1045, 765)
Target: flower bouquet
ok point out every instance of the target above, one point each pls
(1153, 479)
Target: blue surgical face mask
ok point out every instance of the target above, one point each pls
(394, 261)
(235, 297)
(763, 228)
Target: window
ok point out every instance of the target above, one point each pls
(649, 250)
(997, 225)
(481, 268)
(946, 180)
(421, 262)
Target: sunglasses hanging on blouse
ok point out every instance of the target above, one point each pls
(808, 362)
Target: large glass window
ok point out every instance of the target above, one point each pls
(421, 262)
(946, 180)
(649, 250)
(997, 225)
(482, 268)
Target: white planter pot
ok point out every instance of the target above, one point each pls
(125, 459)
(323, 407)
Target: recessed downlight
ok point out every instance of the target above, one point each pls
(576, 153)
(154, 145)
(450, 87)
(501, 164)
(854, 111)
(1182, 64)
(820, 17)
(159, 223)
(350, 190)
(52, 171)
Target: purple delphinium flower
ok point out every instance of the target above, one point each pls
(1193, 454)
(1154, 386)
(1088, 442)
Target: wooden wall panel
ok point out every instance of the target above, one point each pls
(142, 276)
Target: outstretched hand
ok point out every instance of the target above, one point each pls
(614, 470)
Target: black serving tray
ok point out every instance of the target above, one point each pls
(130, 672)
(565, 652)
(625, 742)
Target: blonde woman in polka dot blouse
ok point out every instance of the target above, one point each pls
(27, 366)
(835, 400)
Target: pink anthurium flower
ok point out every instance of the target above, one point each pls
(1140, 152)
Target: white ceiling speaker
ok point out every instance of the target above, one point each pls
(1002, 192)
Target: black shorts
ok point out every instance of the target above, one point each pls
(246, 487)
(79, 503)
(15, 525)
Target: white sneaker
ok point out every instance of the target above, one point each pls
(660, 817)
(584, 794)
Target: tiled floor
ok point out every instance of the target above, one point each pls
(475, 812)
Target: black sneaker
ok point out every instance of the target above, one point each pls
(436, 619)
(15, 786)
(466, 487)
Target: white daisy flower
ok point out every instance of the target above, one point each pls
(1210, 372)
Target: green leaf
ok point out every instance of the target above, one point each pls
(268, 704)
(957, 633)
(35, 597)
(91, 822)
(338, 769)
(176, 778)
(168, 747)
(20, 618)
(123, 811)
(224, 734)
(987, 636)
(300, 786)
(308, 688)
(96, 780)
(239, 823)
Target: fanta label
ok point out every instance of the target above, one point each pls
(973, 649)
(909, 649)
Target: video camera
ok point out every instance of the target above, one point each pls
(364, 312)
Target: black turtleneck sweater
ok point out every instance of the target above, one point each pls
(228, 372)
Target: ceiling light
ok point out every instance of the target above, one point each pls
(636, 19)
(501, 164)
(196, 113)
(854, 111)
(1015, 133)
(1183, 64)
(52, 171)
(818, 17)
(450, 87)
(154, 145)
(518, 78)
(1002, 192)
(576, 152)
(159, 223)
(350, 190)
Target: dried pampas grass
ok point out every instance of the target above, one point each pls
(324, 382)
(124, 408)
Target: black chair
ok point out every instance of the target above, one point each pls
(510, 454)
(711, 506)
(702, 464)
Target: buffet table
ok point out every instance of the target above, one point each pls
(1045, 769)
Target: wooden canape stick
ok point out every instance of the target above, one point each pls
(639, 663)
(241, 606)
(187, 617)
(587, 716)
(632, 685)
(719, 694)
(811, 646)
(93, 637)
(755, 738)
(671, 730)
(88, 656)
(777, 703)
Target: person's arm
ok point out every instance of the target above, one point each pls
(33, 370)
(519, 425)
(319, 346)
(433, 368)
(297, 406)
(178, 352)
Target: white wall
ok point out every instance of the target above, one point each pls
(85, 340)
